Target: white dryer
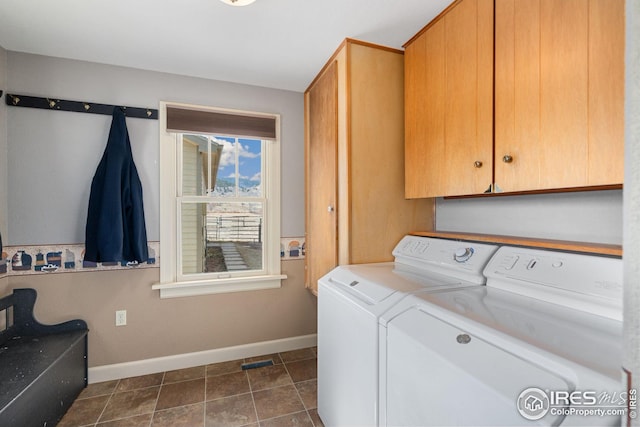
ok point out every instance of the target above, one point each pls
(539, 345)
(351, 300)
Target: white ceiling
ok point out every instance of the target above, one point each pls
(272, 43)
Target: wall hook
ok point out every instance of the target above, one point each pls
(77, 106)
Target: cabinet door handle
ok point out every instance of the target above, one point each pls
(477, 164)
(330, 208)
(507, 158)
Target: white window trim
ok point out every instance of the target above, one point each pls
(170, 285)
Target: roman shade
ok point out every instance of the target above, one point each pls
(220, 123)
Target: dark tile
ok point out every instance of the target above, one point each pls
(275, 357)
(224, 367)
(182, 416)
(299, 419)
(227, 385)
(143, 381)
(292, 356)
(184, 374)
(268, 377)
(98, 389)
(130, 403)
(137, 421)
(317, 422)
(179, 394)
(276, 402)
(303, 370)
(308, 391)
(84, 411)
(230, 411)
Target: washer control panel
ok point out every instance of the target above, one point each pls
(463, 260)
(586, 282)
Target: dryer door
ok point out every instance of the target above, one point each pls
(437, 374)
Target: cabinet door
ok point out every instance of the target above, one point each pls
(425, 95)
(449, 104)
(321, 176)
(559, 93)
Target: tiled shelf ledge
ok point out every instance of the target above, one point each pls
(592, 248)
(63, 258)
(68, 258)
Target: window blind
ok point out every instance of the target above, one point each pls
(220, 123)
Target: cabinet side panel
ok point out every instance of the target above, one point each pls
(380, 215)
(321, 176)
(606, 92)
(344, 143)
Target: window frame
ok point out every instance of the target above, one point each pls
(172, 282)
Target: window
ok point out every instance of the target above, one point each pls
(219, 201)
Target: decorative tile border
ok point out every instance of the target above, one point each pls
(292, 248)
(48, 259)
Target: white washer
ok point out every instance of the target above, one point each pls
(352, 298)
(542, 339)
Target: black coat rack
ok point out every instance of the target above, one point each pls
(77, 106)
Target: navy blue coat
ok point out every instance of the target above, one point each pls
(115, 222)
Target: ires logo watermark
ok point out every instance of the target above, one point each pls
(534, 403)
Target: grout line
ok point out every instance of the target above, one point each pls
(107, 403)
(298, 391)
(204, 404)
(153, 413)
(253, 400)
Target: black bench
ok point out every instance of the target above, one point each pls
(43, 368)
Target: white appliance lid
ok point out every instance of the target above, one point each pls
(591, 341)
(439, 375)
(374, 283)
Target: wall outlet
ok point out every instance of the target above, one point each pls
(121, 317)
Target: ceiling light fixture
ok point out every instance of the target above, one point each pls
(237, 2)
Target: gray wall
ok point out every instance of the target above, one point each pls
(51, 160)
(632, 197)
(591, 216)
(52, 155)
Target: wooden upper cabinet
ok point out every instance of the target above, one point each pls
(449, 103)
(555, 118)
(321, 165)
(354, 156)
(559, 94)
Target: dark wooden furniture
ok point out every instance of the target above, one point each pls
(43, 368)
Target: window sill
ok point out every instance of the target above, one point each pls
(218, 286)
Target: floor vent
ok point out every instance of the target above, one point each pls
(259, 364)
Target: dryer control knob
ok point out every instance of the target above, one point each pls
(462, 254)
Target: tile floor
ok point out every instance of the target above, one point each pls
(220, 394)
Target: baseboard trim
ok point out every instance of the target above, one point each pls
(179, 361)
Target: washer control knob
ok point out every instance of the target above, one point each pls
(462, 254)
